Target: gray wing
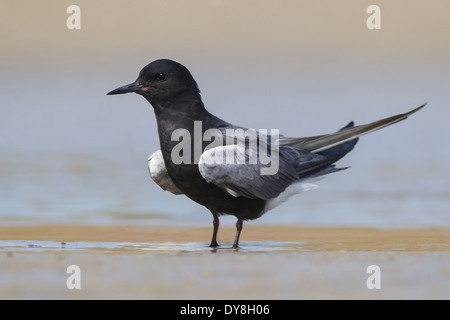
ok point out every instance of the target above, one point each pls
(158, 173)
(229, 165)
(232, 168)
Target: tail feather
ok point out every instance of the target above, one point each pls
(339, 151)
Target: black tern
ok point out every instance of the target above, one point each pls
(219, 165)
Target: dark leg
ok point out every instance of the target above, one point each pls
(214, 243)
(238, 233)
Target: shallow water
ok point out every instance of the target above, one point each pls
(28, 246)
(77, 188)
(225, 275)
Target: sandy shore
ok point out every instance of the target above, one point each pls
(324, 239)
(275, 262)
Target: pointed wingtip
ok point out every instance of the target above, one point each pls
(416, 109)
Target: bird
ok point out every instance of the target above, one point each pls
(202, 157)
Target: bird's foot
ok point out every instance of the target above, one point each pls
(214, 244)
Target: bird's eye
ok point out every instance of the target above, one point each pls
(161, 76)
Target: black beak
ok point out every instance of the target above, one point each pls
(132, 87)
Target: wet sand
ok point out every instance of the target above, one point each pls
(322, 238)
(274, 262)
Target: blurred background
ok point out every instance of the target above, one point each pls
(69, 154)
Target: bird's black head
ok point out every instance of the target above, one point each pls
(161, 81)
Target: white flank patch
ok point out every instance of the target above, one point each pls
(295, 188)
(158, 173)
